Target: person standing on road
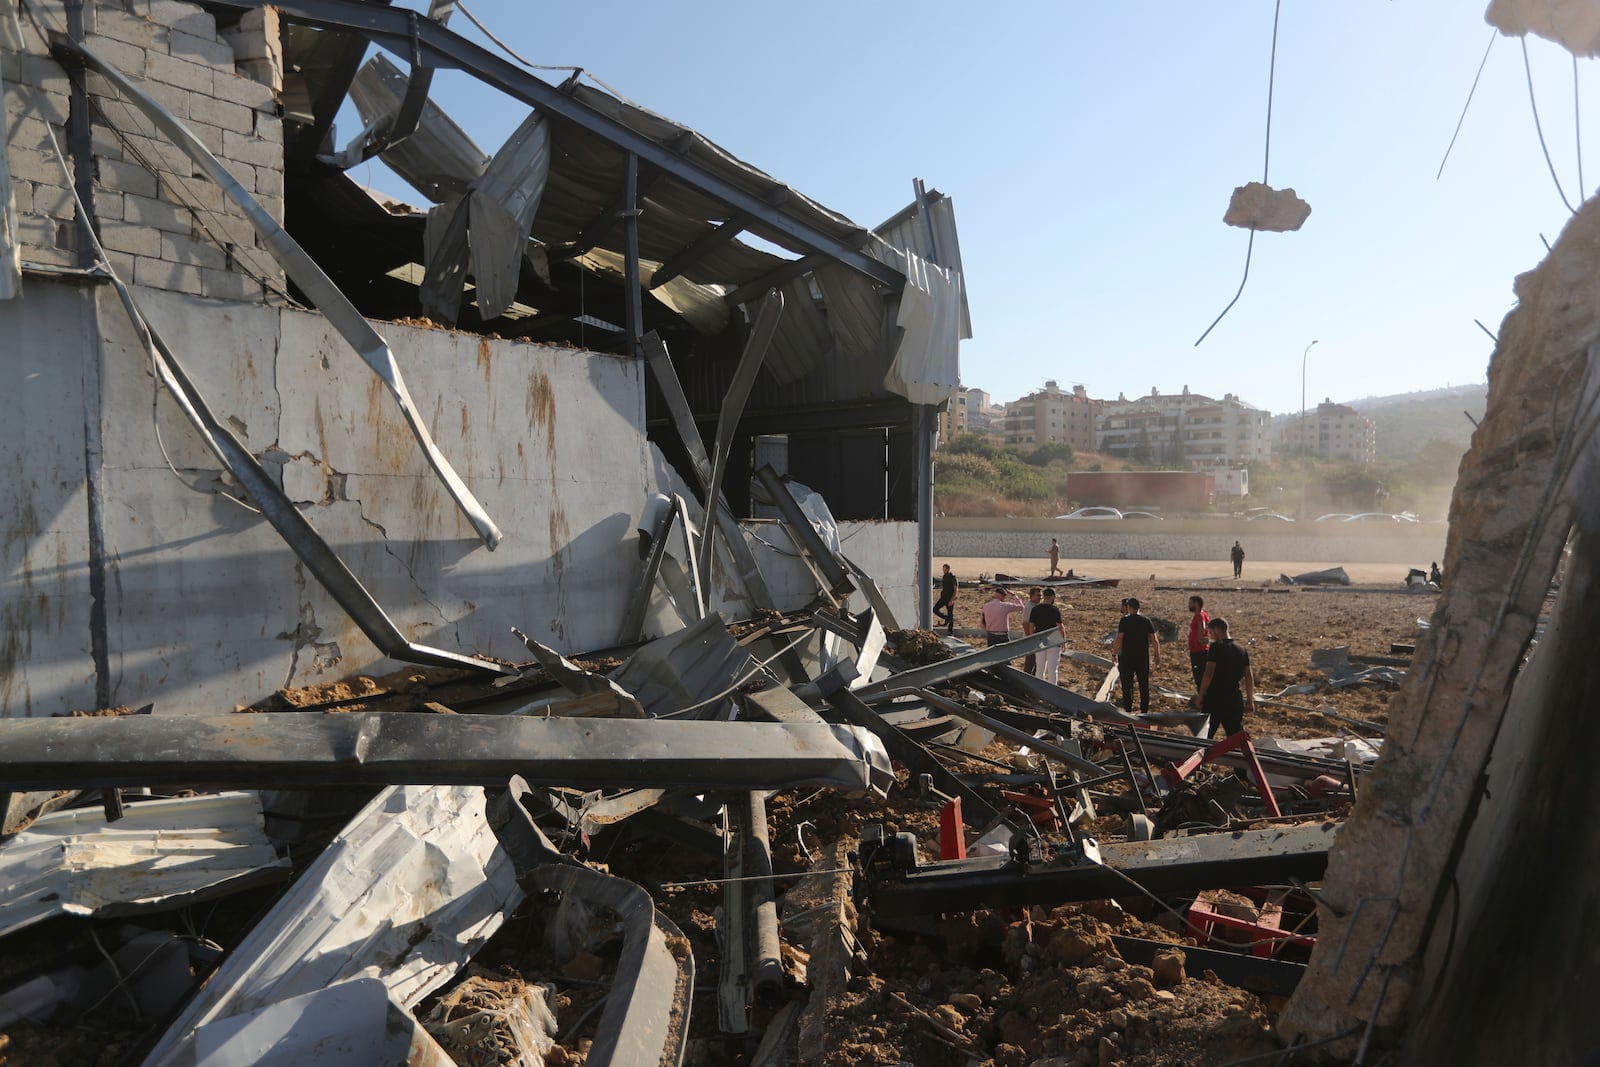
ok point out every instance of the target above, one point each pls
(945, 607)
(1055, 558)
(1237, 555)
(1040, 619)
(997, 611)
(1136, 649)
(1199, 641)
(1228, 689)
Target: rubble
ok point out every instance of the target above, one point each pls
(739, 807)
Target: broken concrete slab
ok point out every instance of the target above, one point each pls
(1255, 206)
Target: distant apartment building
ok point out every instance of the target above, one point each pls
(1051, 415)
(983, 414)
(1333, 430)
(1185, 430)
(953, 420)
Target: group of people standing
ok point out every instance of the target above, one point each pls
(1223, 680)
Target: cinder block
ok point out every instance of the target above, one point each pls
(159, 274)
(262, 20)
(22, 197)
(107, 206)
(127, 115)
(54, 202)
(35, 165)
(196, 77)
(207, 134)
(273, 206)
(185, 18)
(192, 252)
(269, 128)
(269, 181)
(185, 191)
(34, 102)
(212, 51)
(224, 114)
(247, 148)
(24, 131)
(128, 58)
(119, 25)
(266, 73)
(133, 239)
(229, 285)
(157, 154)
(234, 229)
(157, 213)
(125, 177)
(121, 263)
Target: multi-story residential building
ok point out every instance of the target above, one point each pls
(1331, 430)
(1185, 429)
(983, 414)
(953, 420)
(1051, 415)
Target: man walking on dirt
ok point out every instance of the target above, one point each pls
(1228, 689)
(945, 607)
(1237, 555)
(1055, 558)
(1199, 640)
(1136, 648)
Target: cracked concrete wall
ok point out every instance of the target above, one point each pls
(1461, 887)
(204, 605)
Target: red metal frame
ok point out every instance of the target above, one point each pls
(1240, 740)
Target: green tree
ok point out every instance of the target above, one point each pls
(1047, 453)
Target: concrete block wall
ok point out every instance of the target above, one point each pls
(162, 226)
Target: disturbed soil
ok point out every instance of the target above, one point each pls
(1045, 987)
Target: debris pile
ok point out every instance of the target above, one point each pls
(808, 837)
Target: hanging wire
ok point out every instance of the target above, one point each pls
(1527, 69)
(508, 50)
(1481, 63)
(1266, 161)
(1577, 129)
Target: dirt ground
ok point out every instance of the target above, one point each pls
(1280, 626)
(1044, 987)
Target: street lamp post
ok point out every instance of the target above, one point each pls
(1305, 448)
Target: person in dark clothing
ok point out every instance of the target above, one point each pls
(1228, 689)
(1136, 649)
(1236, 553)
(1030, 663)
(1043, 617)
(1435, 575)
(945, 607)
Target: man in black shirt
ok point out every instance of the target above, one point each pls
(1045, 615)
(1135, 649)
(946, 601)
(1228, 689)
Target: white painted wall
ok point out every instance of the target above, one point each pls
(206, 607)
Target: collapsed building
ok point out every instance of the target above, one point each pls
(270, 430)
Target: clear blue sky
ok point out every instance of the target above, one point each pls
(1091, 150)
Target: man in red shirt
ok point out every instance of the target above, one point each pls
(1199, 642)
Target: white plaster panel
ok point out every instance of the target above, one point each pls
(885, 550)
(48, 342)
(228, 350)
(203, 596)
